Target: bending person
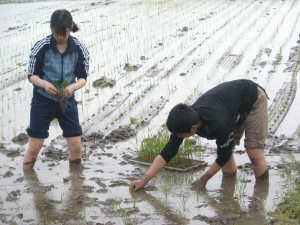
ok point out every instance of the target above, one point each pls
(223, 113)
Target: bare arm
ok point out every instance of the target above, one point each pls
(69, 90)
(37, 81)
(213, 169)
(157, 165)
(79, 84)
(51, 89)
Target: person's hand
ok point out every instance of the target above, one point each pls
(50, 89)
(68, 91)
(199, 185)
(136, 185)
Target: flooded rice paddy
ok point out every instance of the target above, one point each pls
(146, 56)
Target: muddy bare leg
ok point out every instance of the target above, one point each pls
(264, 176)
(259, 163)
(34, 147)
(229, 169)
(74, 145)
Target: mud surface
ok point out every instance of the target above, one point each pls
(98, 190)
(148, 57)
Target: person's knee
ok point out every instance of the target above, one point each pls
(33, 151)
(34, 147)
(75, 150)
(256, 155)
(74, 144)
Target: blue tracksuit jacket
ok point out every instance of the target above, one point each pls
(46, 62)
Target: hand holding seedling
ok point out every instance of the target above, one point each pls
(157, 165)
(136, 185)
(50, 89)
(199, 185)
(68, 91)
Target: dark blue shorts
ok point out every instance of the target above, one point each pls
(44, 110)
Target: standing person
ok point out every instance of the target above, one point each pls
(58, 66)
(223, 113)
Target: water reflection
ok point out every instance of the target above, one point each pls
(238, 207)
(257, 203)
(227, 190)
(167, 212)
(68, 207)
(235, 200)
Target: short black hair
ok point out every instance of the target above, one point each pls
(62, 19)
(181, 119)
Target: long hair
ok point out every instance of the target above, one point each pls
(61, 20)
(181, 118)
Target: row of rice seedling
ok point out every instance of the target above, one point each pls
(154, 143)
(42, 16)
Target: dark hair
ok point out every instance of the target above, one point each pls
(181, 118)
(61, 19)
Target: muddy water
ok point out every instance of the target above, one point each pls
(98, 193)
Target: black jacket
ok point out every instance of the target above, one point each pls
(220, 109)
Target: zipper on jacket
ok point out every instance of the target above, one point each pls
(62, 69)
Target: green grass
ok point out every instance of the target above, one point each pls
(153, 144)
(288, 211)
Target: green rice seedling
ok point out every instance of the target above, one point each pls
(14, 131)
(240, 188)
(63, 101)
(165, 190)
(12, 197)
(278, 59)
(117, 206)
(122, 212)
(133, 195)
(182, 217)
(288, 211)
(183, 200)
(153, 144)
